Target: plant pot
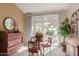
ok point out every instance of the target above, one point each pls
(64, 49)
(63, 45)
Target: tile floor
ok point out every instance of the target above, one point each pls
(55, 51)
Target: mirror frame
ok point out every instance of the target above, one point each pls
(4, 23)
(74, 21)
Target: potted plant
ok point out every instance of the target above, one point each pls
(50, 30)
(65, 31)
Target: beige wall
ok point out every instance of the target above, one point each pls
(72, 8)
(10, 10)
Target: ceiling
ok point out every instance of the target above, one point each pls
(41, 7)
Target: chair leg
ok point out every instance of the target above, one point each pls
(50, 49)
(29, 53)
(41, 53)
(43, 50)
(37, 54)
(32, 54)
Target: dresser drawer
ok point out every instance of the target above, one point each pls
(14, 42)
(14, 34)
(13, 49)
(14, 38)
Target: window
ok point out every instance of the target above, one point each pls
(46, 24)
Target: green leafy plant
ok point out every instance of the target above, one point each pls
(49, 29)
(65, 30)
(50, 32)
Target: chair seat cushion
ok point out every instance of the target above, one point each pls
(34, 49)
(45, 45)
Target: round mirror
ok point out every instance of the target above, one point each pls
(9, 23)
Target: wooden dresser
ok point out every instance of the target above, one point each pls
(10, 43)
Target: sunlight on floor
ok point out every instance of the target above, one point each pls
(22, 49)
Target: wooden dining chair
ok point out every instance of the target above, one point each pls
(47, 44)
(34, 48)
